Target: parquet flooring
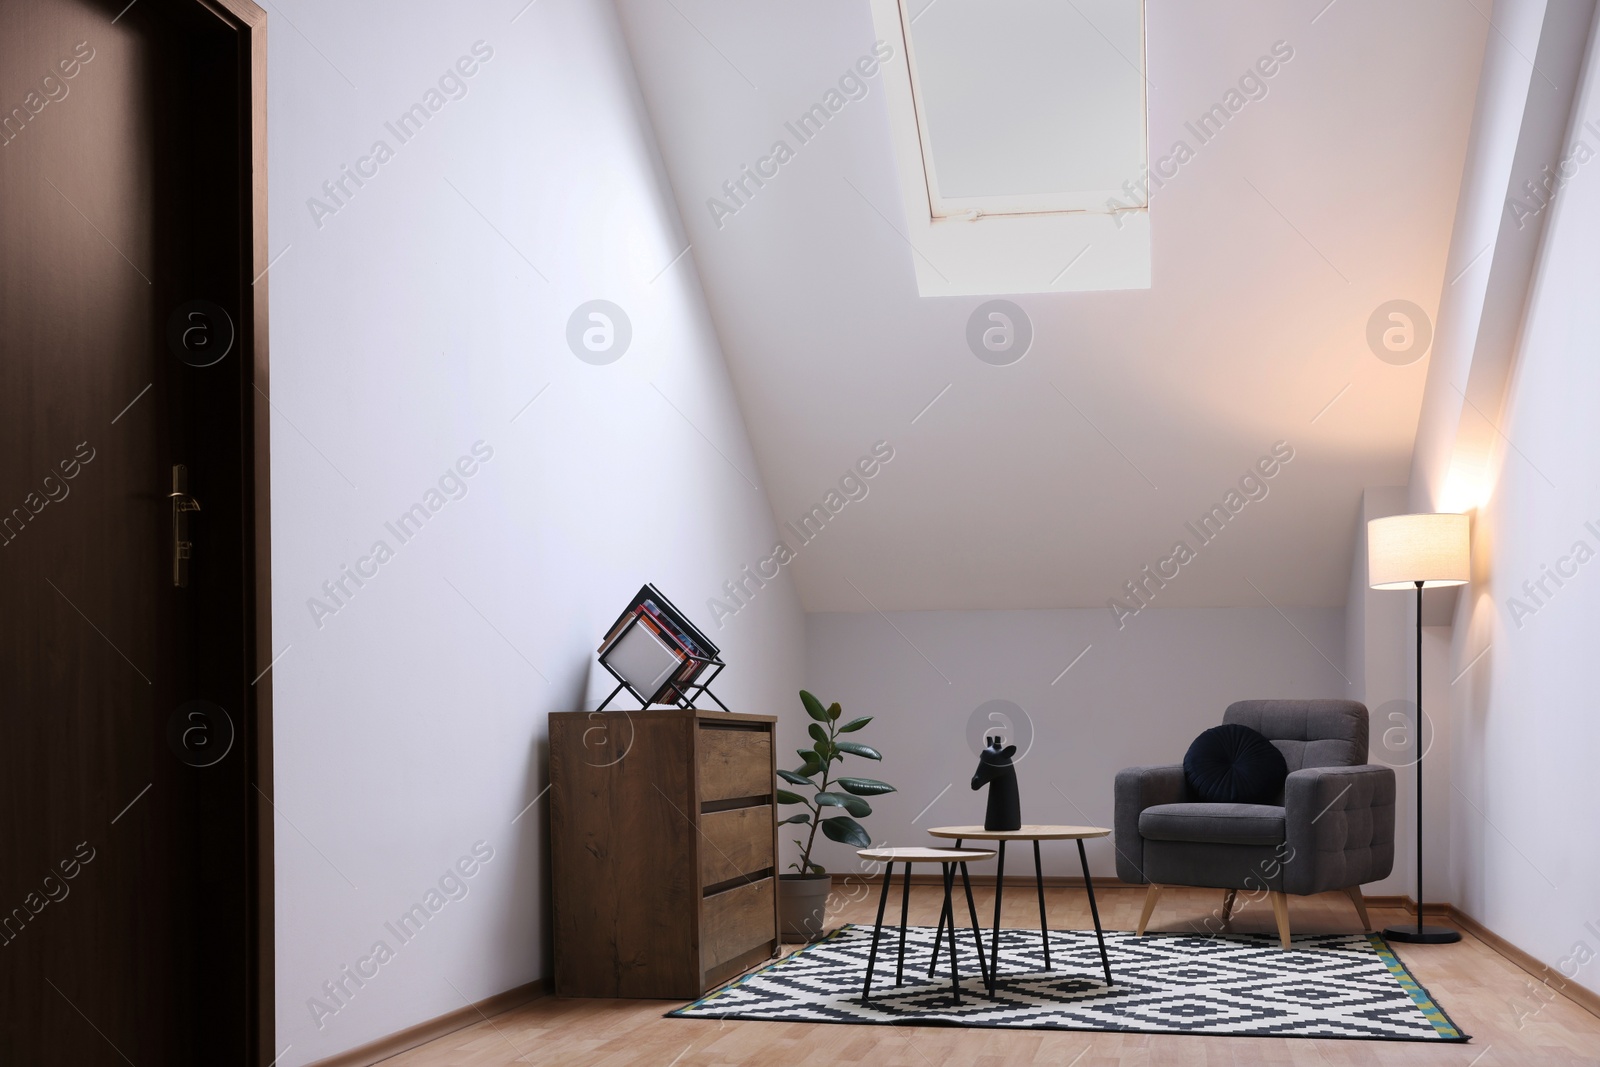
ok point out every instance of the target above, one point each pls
(1514, 1021)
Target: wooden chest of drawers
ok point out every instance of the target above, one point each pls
(663, 850)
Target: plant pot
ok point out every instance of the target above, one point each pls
(803, 907)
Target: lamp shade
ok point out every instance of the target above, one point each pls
(1403, 550)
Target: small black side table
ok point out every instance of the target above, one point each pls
(1034, 834)
(948, 859)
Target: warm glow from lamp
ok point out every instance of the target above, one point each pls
(1403, 550)
(1466, 488)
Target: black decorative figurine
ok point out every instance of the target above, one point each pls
(996, 770)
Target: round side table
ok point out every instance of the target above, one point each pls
(948, 859)
(1034, 834)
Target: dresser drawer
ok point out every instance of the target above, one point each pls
(734, 763)
(735, 842)
(737, 921)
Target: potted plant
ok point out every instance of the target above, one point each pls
(803, 896)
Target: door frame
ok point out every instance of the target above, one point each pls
(249, 23)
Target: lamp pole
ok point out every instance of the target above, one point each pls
(1422, 934)
(1420, 897)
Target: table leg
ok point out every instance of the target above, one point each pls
(938, 935)
(905, 904)
(877, 928)
(977, 931)
(1088, 884)
(994, 937)
(955, 971)
(1038, 880)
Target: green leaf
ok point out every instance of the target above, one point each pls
(817, 868)
(817, 733)
(834, 711)
(854, 805)
(801, 818)
(811, 769)
(786, 797)
(796, 778)
(857, 749)
(854, 724)
(865, 787)
(814, 706)
(846, 831)
(823, 750)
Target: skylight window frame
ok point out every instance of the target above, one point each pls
(1133, 198)
(998, 254)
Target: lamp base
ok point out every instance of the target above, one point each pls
(1425, 935)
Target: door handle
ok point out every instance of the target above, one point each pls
(182, 504)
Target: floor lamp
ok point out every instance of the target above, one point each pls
(1405, 551)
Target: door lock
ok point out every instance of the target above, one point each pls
(182, 504)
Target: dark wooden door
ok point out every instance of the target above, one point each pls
(129, 848)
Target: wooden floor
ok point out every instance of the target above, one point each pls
(1513, 1019)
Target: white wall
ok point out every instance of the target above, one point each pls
(1247, 335)
(1520, 144)
(409, 325)
(1527, 735)
(1485, 246)
(1138, 696)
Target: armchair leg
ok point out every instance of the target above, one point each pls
(1280, 910)
(1152, 895)
(1354, 892)
(1227, 903)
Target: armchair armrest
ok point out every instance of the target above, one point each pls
(1339, 827)
(1135, 789)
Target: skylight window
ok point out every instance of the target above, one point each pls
(1021, 139)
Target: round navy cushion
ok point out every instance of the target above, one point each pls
(1233, 764)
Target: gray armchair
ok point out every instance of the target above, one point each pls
(1333, 828)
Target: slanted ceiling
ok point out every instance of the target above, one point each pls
(1328, 191)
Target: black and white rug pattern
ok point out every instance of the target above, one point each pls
(1325, 986)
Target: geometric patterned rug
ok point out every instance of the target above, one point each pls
(1326, 986)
